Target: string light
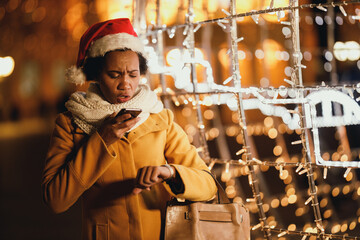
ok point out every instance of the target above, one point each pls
(303, 171)
(308, 200)
(221, 25)
(211, 165)
(299, 167)
(228, 80)
(226, 12)
(343, 10)
(281, 170)
(239, 39)
(274, 100)
(197, 28)
(347, 172)
(282, 234)
(255, 18)
(241, 151)
(285, 23)
(297, 142)
(256, 226)
(321, 8)
(186, 30)
(325, 172)
(250, 200)
(289, 82)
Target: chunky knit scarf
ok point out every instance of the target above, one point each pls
(90, 109)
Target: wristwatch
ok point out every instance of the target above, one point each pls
(172, 172)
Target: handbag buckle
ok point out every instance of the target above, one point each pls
(187, 215)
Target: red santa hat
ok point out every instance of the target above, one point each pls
(101, 38)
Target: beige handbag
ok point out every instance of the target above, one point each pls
(207, 221)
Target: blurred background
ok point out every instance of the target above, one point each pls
(39, 40)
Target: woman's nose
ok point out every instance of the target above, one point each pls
(124, 82)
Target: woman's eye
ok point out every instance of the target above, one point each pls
(114, 75)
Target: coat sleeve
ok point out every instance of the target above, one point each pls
(198, 185)
(70, 170)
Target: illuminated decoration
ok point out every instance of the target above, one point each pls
(301, 118)
(347, 51)
(351, 116)
(74, 20)
(110, 9)
(7, 65)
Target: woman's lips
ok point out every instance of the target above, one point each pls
(123, 98)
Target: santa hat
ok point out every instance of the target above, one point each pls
(101, 38)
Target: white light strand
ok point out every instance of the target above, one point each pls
(186, 30)
(282, 234)
(285, 23)
(197, 28)
(228, 80)
(171, 32)
(226, 12)
(279, 12)
(250, 180)
(325, 172)
(241, 151)
(257, 161)
(343, 11)
(221, 25)
(239, 39)
(347, 172)
(303, 171)
(211, 165)
(289, 82)
(320, 227)
(308, 200)
(255, 17)
(250, 200)
(304, 237)
(321, 8)
(299, 167)
(281, 170)
(227, 167)
(297, 142)
(256, 226)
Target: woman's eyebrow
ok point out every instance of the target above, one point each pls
(130, 71)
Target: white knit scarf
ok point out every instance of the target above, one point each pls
(90, 109)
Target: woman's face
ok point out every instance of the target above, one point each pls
(120, 76)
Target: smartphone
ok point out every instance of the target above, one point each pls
(134, 112)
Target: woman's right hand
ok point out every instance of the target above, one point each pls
(113, 128)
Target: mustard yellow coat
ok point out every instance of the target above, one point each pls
(79, 165)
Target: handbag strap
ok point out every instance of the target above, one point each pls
(221, 195)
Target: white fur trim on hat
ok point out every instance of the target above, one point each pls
(75, 75)
(115, 41)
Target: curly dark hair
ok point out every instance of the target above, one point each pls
(93, 66)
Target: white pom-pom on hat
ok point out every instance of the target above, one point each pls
(75, 75)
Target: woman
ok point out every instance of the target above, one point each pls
(124, 169)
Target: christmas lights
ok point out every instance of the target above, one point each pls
(261, 100)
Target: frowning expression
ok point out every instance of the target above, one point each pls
(120, 76)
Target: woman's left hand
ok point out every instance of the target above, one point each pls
(149, 176)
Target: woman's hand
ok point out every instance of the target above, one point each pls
(113, 128)
(151, 175)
